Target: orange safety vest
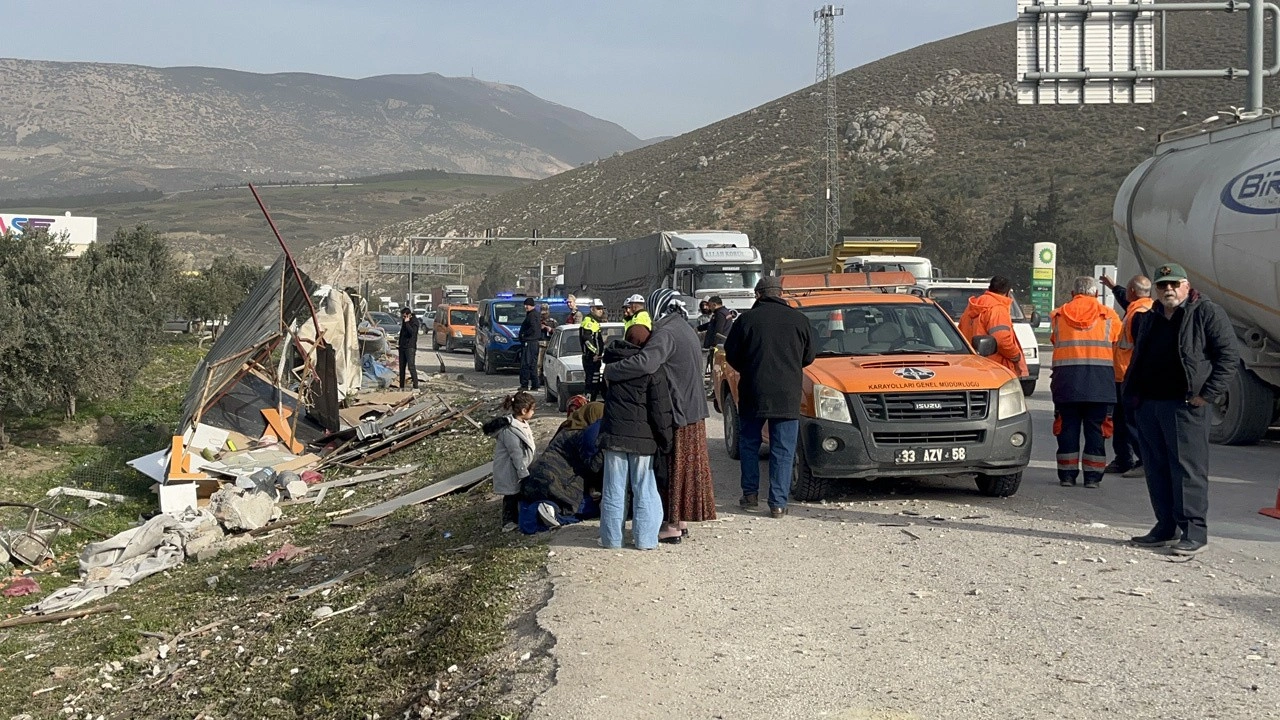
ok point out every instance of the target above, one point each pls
(1124, 346)
(988, 314)
(1084, 333)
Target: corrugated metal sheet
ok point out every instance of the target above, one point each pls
(272, 305)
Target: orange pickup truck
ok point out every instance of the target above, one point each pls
(895, 391)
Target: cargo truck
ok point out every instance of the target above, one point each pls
(697, 264)
(1209, 201)
(866, 254)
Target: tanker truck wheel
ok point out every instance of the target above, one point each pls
(1244, 414)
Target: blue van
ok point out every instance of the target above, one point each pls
(498, 327)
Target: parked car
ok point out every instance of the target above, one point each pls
(563, 376)
(389, 323)
(455, 328)
(498, 327)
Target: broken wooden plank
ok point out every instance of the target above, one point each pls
(326, 584)
(358, 479)
(278, 421)
(297, 464)
(462, 414)
(57, 617)
(430, 492)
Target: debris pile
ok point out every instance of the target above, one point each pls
(279, 401)
(280, 397)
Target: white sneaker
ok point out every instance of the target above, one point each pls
(547, 513)
(509, 527)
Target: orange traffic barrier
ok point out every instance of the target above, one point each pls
(1273, 511)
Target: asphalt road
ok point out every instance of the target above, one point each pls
(1243, 479)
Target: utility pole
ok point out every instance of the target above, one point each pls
(822, 226)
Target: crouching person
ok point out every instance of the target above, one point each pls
(636, 425)
(512, 453)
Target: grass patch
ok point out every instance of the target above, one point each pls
(440, 582)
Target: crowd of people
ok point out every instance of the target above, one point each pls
(1145, 381)
(646, 440)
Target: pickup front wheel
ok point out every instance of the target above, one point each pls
(730, 426)
(999, 485)
(804, 486)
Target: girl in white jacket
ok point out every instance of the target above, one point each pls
(512, 453)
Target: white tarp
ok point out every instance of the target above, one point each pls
(337, 316)
(124, 559)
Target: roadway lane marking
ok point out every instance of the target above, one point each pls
(1050, 465)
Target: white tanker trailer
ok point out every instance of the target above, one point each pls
(1211, 203)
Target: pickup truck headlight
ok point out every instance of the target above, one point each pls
(576, 376)
(1011, 400)
(830, 404)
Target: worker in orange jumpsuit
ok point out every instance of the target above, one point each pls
(1084, 333)
(988, 314)
(1124, 444)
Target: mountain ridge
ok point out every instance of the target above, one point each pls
(945, 110)
(91, 127)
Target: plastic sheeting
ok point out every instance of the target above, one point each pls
(126, 558)
(337, 317)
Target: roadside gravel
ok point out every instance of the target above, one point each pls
(879, 605)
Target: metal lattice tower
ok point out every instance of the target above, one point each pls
(823, 224)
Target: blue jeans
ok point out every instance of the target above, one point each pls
(783, 435)
(646, 505)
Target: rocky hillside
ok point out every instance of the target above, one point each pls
(946, 108)
(89, 127)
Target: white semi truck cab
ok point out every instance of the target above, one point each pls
(716, 262)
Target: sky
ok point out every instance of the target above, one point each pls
(656, 67)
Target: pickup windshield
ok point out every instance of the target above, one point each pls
(888, 329)
(955, 300)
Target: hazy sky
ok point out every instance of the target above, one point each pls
(657, 67)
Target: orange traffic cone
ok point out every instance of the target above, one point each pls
(1273, 511)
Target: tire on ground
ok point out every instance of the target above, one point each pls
(1244, 414)
(804, 484)
(999, 485)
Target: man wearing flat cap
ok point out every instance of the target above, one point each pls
(769, 346)
(1184, 355)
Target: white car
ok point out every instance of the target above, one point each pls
(562, 373)
(953, 296)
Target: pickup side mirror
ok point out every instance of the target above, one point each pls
(985, 345)
(1035, 318)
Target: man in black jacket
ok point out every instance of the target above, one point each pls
(409, 327)
(530, 334)
(1184, 356)
(769, 346)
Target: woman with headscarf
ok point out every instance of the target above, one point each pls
(688, 494)
(569, 470)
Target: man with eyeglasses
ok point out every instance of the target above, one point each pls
(1183, 357)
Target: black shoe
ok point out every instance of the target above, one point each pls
(673, 540)
(750, 502)
(1092, 483)
(1067, 483)
(777, 512)
(1153, 540)
(1188, 548)
(1115, 468)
